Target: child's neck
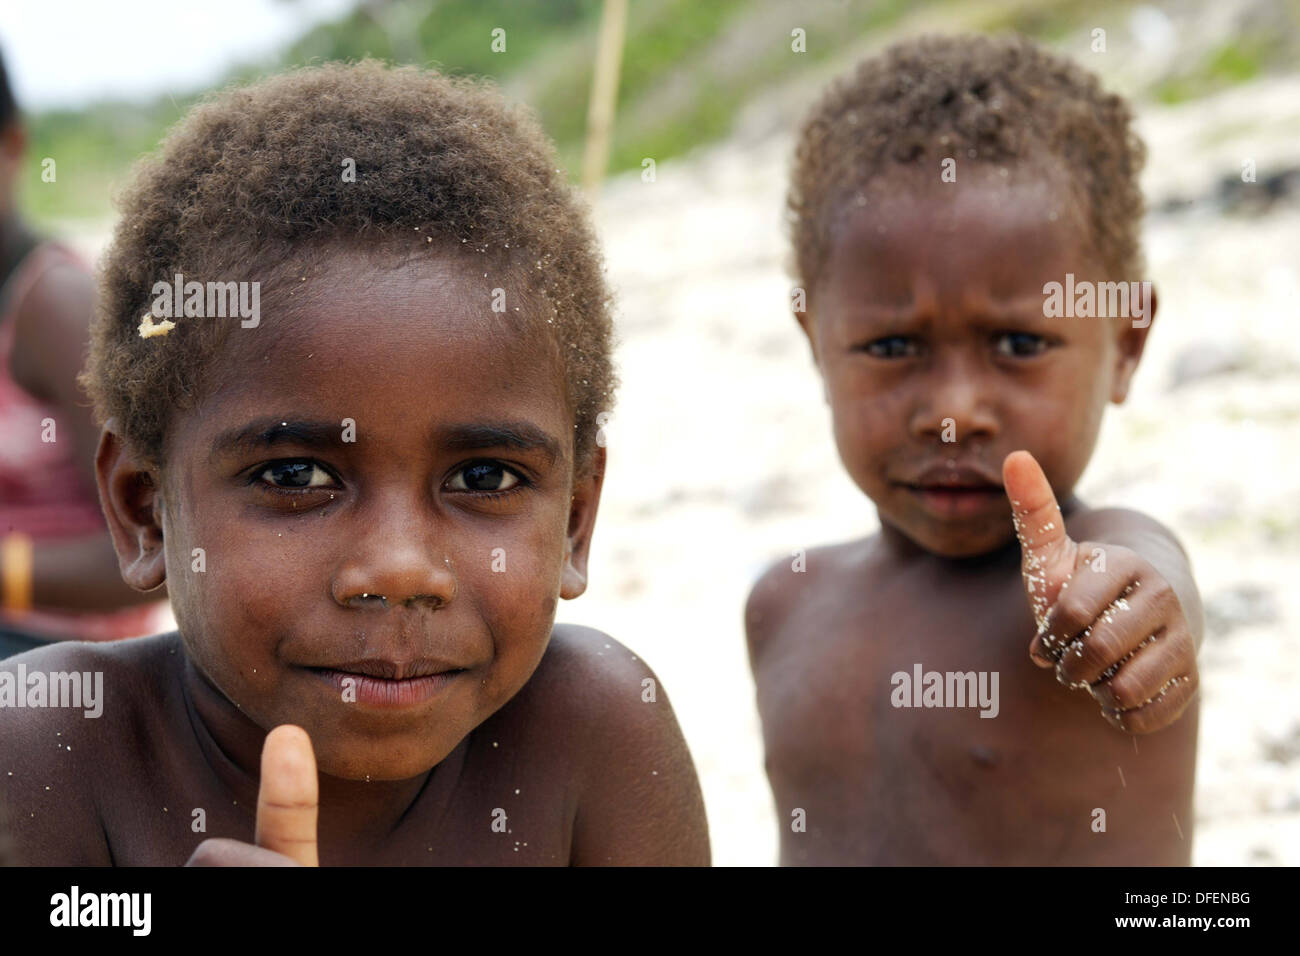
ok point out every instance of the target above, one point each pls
(350, 810)
(901, 548)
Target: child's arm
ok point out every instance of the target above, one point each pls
(765, 608)
(640, 802)
(1118, 614)
(50, 335)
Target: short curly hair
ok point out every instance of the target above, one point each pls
(255, 174)
(981, 98)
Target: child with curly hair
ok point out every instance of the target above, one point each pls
(358, 443)
(944, 194)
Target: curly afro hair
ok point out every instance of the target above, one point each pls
(983, 99)
(256, 175)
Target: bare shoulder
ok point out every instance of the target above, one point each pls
(63, 707)
(799, 581)
(55, 313)
(588, 664)
(38, 683)
(597, 689)
(66, 712)
(1120, 526)
(64, 292)
(638, 796)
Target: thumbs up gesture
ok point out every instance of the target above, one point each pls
(1107, 620)
(287, 805)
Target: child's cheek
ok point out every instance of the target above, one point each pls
(1061, 427)
(866, 425)
(515, 584)
(231, 593)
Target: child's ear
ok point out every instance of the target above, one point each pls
(582, 521)
(1132, 341)
(129, 494)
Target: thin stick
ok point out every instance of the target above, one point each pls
(604, 93)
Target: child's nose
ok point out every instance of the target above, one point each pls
(395, 563)
(954, 405)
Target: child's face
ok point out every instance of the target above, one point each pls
(929, 331)
(418, 512)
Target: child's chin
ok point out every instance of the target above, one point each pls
(958, 543)
(969, 551)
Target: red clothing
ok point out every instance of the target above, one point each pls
(42, 492)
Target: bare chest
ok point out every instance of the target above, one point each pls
(914, 730)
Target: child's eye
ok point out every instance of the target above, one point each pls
(891, 346)
(1020, 343)
(296, 473)
(486, 476)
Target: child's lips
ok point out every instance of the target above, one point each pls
(954, 475)
(955, 492)
(386, 683)
(388, 669)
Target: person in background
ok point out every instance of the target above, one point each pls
(59, 578)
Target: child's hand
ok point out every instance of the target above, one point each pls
(1107, 619)
(287, 801)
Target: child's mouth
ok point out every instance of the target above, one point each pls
(951, 490)
(386, 684)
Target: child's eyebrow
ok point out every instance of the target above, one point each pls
(994, 311)
(265, 433)
(268, 432)
(519, 435)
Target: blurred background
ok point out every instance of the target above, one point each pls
(721, 456)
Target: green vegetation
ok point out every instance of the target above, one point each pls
(1236, 61)
(93, 150)
(674, 94)
(688, 68)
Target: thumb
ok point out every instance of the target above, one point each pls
(1047, 555)
(288, 797)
